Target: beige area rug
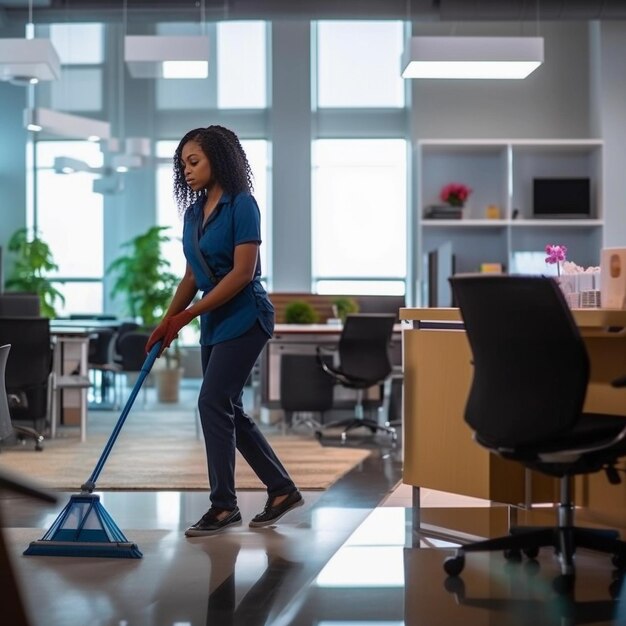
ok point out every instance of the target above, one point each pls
(171, 463)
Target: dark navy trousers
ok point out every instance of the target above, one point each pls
(226, 426)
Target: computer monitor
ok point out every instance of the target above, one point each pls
(439, 267)
(561, 198)
(18, 304)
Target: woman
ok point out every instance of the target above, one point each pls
(221, 238)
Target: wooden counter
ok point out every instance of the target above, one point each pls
(439, 451)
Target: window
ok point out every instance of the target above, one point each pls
(237, 69)
(70, 220)
(358, 64)
(241, 65)
(358, 229)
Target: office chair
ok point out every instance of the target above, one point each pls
(100, 360)
(364, 361)
(304, 388)
(525, 403)
(132, 354)
(28, 370)
(7, 428)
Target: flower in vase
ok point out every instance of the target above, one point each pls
(556, 253)
(455, 194)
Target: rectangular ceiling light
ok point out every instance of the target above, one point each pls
(151, 56)
(66, 125)
(28, 60)
(472, 57)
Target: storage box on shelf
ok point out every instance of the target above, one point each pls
(500, 173)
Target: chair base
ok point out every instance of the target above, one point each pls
(357, 422)
(564, 539)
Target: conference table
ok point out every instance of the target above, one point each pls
(439, 452)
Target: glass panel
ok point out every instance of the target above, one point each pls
(66, 206)
(77, 90)
(78, 44)
(80, 298)
(361, 287)
(359, 64)
(359, 201)
(183, 93)
(241, 65)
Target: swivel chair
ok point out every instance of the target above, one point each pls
(100, 360)
(364, 361)
(7, 428)
(304, 389)
(525, 403)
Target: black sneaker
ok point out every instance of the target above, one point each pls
(271, 514)
(209, 524)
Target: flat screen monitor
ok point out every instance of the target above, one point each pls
(561, 198)
(14, 304)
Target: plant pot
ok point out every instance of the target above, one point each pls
(168, 384)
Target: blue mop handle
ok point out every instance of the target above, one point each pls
(90, 485)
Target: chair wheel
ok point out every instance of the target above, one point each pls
(455, 585)
(318, 434)
(513, 555)
(38, 447)
(564, 583)
(619, 561)
(454, 565)
(531, 553)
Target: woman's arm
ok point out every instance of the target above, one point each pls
(184, 294)
(244, 265)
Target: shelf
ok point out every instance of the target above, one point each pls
(483, 223)
(562, 223)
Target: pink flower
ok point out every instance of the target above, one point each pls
(455, 194)
(556, 254)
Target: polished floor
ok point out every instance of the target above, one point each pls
(348, 557)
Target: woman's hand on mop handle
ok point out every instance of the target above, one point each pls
(168, 330)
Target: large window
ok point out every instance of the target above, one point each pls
(359, 191)
(358, 64)
(237, 69)
(69, 219)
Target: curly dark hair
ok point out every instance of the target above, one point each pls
(229, 164)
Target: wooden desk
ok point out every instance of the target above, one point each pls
(439, 451)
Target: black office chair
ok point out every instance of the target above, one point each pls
(363, 362)
(100, 359)
(132, 354)
(28, 370)
(525, 403)
(8, 430)
(304, 389)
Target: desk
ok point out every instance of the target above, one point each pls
(439, 452)
(71, 346)
(303, 339)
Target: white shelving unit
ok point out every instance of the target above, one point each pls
(500, 172)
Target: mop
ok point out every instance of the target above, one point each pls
(84, 528)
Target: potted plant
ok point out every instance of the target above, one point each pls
(344, 306)
(144, 280)
(300, 312)
(32, 264)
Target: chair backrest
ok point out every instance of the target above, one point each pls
(364, 346)
(5, 417)
(132, 350)
(531, 366)
(304, 386)
(100, 343)
(30, 362)
(121, 330)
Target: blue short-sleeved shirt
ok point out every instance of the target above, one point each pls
(236, 220)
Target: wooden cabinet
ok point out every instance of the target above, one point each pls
(500, 174)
